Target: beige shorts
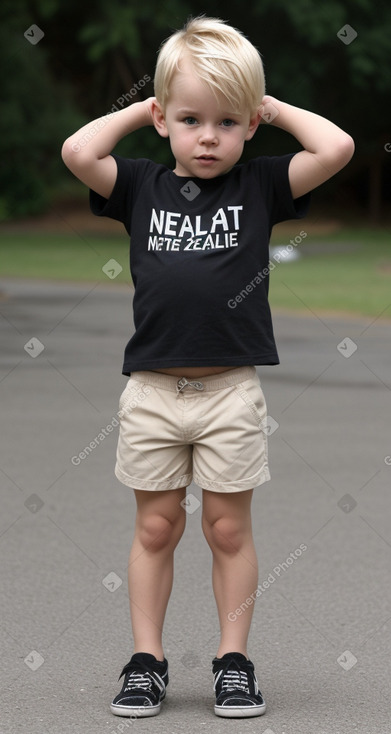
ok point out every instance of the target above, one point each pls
(211, 430)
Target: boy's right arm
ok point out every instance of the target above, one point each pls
(87, 152)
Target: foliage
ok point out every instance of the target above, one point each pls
(35, 119)
(92, 53)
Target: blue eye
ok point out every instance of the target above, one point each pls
(227, 123)
(190, 120)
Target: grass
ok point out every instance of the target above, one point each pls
(63, 257)
(345, 271)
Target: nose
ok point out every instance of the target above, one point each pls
(208, 135)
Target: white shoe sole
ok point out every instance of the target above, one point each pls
(233, 712)
(136, 712)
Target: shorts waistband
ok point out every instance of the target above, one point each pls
(206, 383)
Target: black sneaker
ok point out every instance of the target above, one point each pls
(144, 686)
(236, 687)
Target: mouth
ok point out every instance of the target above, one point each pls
(206, 158)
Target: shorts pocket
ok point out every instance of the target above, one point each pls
(251, 393)
(135, 392)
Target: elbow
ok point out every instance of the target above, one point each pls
(344, 150)
(69, 149)
(75, 155)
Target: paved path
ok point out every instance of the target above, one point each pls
(321, 632)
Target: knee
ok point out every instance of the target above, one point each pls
(224, 534)
(157, 533)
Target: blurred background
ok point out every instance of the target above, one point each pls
(67, 63)
(65, 320)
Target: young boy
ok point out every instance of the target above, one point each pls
(199, 238)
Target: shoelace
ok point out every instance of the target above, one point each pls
(138, 680)
(183, 382)
(235, 680)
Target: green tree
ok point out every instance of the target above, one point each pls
(347, 81)
(36, 115)
(91, 55)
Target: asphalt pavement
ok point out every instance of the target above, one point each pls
(320, 638)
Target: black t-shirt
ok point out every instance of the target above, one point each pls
(199, 254)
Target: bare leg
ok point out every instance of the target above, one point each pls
(160, 523)
(226, 522)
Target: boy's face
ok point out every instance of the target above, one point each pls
(206, 137)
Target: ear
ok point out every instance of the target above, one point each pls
(159, 119)
(253, 125)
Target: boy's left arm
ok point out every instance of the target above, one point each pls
(327, 148)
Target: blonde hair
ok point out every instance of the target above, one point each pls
(221, 56)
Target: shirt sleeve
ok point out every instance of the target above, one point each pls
(273, 172)
(119, 204)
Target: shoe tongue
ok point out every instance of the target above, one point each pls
(144, 657)
(235, 655)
